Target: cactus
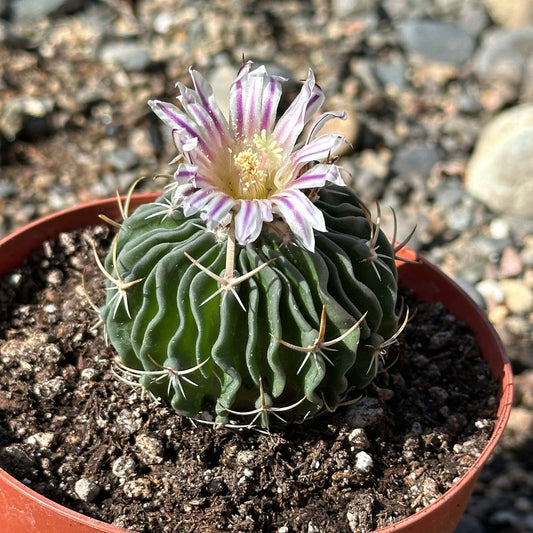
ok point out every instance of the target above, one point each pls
(251, 292)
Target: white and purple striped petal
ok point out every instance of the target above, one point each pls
(317, 176)
(301, 215)
(248, 221)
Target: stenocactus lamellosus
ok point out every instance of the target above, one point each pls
(256, 288)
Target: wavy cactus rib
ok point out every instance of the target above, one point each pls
(278, 358)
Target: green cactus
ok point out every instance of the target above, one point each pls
(250, 292)
(230, 355)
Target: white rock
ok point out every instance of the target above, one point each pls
(363, 462)
(500, 171)
(86, 490)
(511, 13)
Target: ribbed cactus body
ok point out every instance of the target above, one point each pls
(208, 354)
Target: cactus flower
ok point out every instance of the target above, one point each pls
(251, 165)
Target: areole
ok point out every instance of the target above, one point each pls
(28, 512)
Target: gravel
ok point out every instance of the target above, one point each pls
(420, 79)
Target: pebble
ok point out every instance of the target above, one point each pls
(30, 10)
(363, 462)
(41, 440)
(417, 159)
(500, 171)
(511, 14)
(149, 449)
(124, 466)
(138, 489)
(86, 490)
(131, 55)
(491, 292)
(436, 41)
(518, 297)
(504, 56)
(359, 439)
(121, 159)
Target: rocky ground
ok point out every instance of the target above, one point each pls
(440, 101)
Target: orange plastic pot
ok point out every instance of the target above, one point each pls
(22, 510)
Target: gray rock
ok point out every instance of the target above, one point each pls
(392, 74)
(473, 18)
(504, 55)
(7, 190)
(121, 159)
(500, 171)
(31, 10)
(346, 8)
(436, 41)
(448, 194)
(418, 159)
(86, 490)
(131, 55)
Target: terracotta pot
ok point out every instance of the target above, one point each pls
(28, 512)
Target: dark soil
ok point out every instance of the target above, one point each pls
(71, 431)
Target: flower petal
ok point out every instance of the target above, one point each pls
(317, 177)
(248, 221)
(321, 120)
(318, 149)
(180, 122)
(185, 173)
(301, 216)
(218, 207)
(236, 100)
(271, 97)
(207, 99)
(291, 123)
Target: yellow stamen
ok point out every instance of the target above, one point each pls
(252, 178)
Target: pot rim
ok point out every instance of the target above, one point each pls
(31, 236)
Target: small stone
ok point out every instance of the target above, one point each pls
(42, 440)
(86, 490)
(30, 10)
(51, 387)
(131, 55)
(518, 296)
(510, 264)
(511, 13)
(500, 171)
(418, 159)
(123, 466)
(491, 292)
(121, 159)
(149, 449)
(138, 488)
(363, 462)
(436, 41)
(504, 56)
(8, 190)
(359, 439)
(392, 74)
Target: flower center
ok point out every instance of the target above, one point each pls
(252, 176)
(254, 168)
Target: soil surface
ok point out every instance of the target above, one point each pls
(73, 432)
